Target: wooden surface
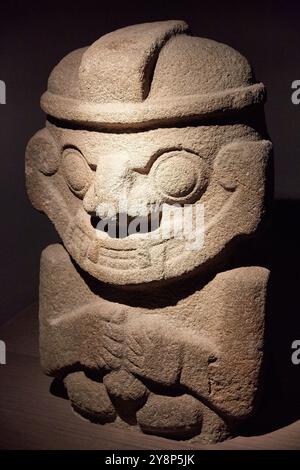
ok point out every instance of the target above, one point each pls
(33, 418)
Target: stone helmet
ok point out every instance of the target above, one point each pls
(150, 74)
(166, 116)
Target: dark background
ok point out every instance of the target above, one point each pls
(34, 36)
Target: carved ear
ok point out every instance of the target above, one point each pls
(242, 163)
(42, 153)
(42, 160)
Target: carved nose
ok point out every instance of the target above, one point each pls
(110, 186)
(105, 202)
(89, 200)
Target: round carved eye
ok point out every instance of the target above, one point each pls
(180, 174)
(77, 172)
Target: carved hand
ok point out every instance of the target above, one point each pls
(152, 349)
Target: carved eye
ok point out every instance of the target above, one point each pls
(180, 175)
(77, 172)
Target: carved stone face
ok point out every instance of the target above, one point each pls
(146, 125)
(145, 140)
(79, 177)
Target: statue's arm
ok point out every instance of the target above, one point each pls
(227, 377)
(220, 365)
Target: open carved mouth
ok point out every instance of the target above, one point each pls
(123, 225)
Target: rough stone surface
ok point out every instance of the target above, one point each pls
(150, 329)
(171, 415)
(89, 398)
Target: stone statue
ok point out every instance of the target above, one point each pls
(150, 325)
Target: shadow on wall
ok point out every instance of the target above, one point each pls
(280, 404)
